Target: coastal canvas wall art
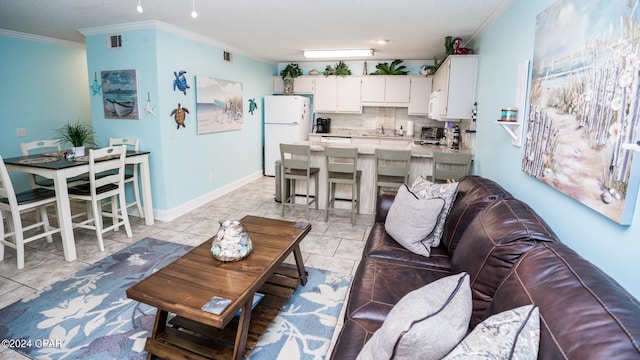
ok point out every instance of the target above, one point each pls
(585, 104)
(120, 94)
(219, 105)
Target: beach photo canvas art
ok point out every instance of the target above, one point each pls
(584, 104)
(219, 105)
(120, 94)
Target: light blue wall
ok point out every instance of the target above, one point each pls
(45, 85)
(182, 162)
(502, 46)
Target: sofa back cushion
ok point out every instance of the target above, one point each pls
(474, 194)
(584, 314)
(492, 243)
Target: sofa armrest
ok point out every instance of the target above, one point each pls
(385, 199)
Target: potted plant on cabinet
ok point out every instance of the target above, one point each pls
(393, 69)
(289, 73)
(78, 135)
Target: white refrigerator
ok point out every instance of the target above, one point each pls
(287, 120)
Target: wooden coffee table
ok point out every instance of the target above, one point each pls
(185, 285)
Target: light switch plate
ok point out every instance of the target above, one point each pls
(21, 132)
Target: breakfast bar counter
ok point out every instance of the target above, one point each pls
(420, 165)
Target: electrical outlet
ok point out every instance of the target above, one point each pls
(21, 132)
(171, 135)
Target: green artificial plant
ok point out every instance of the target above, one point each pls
(341, 69)
(291, 71)
(77, 134)
(393, 69)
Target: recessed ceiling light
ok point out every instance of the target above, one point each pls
(337, 53)
(381, 41)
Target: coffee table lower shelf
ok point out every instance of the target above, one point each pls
(188, 339)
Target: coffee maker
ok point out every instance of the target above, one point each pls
(323, 126)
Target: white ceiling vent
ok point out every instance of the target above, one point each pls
(226, 56)
(114, 42)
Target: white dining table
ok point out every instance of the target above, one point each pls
(59, 170)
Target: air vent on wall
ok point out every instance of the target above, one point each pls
(114, 42)
(226, 56)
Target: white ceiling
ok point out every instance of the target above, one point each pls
(276, 30)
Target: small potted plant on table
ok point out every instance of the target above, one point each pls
(78, 135)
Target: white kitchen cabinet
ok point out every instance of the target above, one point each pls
(336, 94)
(419, 97)
(301, 85)
(456, 82)
(386, 90)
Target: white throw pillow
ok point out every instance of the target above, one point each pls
(411, 220)
(425, 324)
(425, 189)
(512, 334)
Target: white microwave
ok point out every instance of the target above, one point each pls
(434, 105)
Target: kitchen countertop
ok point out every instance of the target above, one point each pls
(423, 151)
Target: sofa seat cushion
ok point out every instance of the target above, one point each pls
(350, 341)
(381, 245)
(379, 284)
(474, 194)
(432, 318)
(584, 314)
(492, 244)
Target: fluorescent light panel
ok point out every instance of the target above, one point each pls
(337, 53)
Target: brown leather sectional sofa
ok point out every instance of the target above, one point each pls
(513, 259)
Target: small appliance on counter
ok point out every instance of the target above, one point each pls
(323, 126)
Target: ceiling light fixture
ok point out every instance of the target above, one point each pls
(337, 53)
(139, 7)
(194, 14)
(382, 41)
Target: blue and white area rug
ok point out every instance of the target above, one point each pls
(89, 316)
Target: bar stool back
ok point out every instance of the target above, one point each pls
(341, 165)
(296, 166)
(450, 166)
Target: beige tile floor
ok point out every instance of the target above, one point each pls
(335, 245)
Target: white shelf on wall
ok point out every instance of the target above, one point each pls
(634, 147)
(514, 129)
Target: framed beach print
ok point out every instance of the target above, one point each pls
(219, 105)
(120, 94)
(584, 110)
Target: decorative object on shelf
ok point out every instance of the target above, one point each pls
(448, 45)
(179, 114)
(180, 82)
(78, 135)
(509, 114)
(364, 69)
(393, 69)
(95, 87)
(431, 69)
(120, 94)
(289, 73)
(459, 50)
(313, 72)
(148, 108)
(252, 105)
(474, 118)
(341, 69)
(231, 242)
(219, 105)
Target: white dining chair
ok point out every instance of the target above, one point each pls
(38, 147)
(106, 181)
(131, 171)
(13, 205)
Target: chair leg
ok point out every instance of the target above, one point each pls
(353, 203)
(1, 236)
(19, 238)
(97, 222)
(316, 181)
(44, 218)
(358, 203)
(284, 197)
(136, 192)
(307, 203)
(328, 197)
(125, 214)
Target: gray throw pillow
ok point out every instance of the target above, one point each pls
(411, 220)
(425, 324)
(512, 334)
(425, 189)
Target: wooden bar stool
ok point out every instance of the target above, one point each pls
(341, 165)
(296, 166)
(392, 169)
(449, 167)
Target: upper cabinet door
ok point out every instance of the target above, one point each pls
(373, 88)
(420, 93)
(349, 94)
(397, 89)
(325, 98)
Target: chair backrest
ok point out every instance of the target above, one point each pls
(450, 166)
(106, 166)
(341, 160)
(295, 157)
(6, 187)
(39, 145)
(392, 162)
(131, 143)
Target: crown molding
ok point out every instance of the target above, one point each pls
(159, 25)
(38, 38)
(490, 19)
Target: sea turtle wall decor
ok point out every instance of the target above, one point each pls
(252, 105)
(180, 81)
(179, 114)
